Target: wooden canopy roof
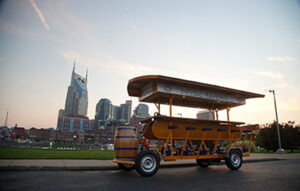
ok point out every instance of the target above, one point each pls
(159, 89)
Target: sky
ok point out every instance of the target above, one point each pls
(247, 45)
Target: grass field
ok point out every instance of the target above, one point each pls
(17, 153)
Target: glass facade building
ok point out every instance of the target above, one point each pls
(104, 110)
(141, 110)
(74, 116)
(77, 96)
(74, 123)
(116, 112)
(125, 111)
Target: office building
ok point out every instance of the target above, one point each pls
(74, 116)
(126, 111)
(73, 123)
(141, 110)
(61, 113)
(104, 110)
(205, 114)
(116, 112)
(77, 96)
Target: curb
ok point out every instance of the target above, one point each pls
(107, 168)
(56, 168)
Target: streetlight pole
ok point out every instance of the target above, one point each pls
(280, 150)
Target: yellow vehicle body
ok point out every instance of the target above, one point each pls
(186, 138)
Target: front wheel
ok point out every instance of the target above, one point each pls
(234, 160)
(126, 167)
(147, 163)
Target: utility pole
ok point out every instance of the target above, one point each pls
(5, 124)
(280, 150)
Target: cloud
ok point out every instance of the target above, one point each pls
(70, 55)
(14, 29)
(270, 74)
(127, 69)
(132, 22)
(20, 31)
(284, 59)
(68, 26)
(133, 26)
(291, 103)
(100, 63)
(40, 15)
(1, 59)
(298, 40)
(281, 83)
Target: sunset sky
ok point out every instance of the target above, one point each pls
(247, 45)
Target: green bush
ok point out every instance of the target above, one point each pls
(289, 135)
(239, 143)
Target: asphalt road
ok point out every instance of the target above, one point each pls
(275, 175)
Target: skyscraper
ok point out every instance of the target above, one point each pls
(104, 110)
(140, 113)
(126, 111)
(141, 110)
(74, 116)
(116, 112)
(77, 96)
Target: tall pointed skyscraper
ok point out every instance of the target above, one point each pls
(77, 96)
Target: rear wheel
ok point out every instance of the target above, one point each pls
(147, 163)
(126, 167)
(234, 160)
(203, 162)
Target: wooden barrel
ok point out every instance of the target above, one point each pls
(126, 143)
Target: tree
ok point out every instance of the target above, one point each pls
(289, 135)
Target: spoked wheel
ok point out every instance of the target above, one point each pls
(203, 162)
(126, 167)
(147, 163)
(234, 160)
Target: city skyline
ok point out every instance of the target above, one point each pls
(249, 45)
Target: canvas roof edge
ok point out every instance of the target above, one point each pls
(136, 84)
(149, 78)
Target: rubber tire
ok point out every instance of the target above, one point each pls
(203, 162)
(125, 167)
(139, 159)
(230, 164)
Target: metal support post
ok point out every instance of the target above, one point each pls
(280, 150)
